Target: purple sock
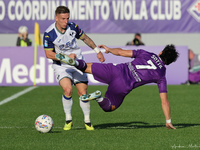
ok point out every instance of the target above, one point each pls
(105, 105)
(82, 65)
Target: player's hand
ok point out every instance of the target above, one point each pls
(72, 55)
(104, 47)
(170, 126)
(100, 57)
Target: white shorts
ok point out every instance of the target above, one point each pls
(71, 72)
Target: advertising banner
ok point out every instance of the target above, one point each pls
(17, 65)
(105, 16)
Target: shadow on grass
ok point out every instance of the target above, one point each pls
(185, 125)
(137, 125)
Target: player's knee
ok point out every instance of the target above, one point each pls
(112, 108)
(68, 92)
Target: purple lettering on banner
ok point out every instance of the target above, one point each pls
(105, 16)
(17, 65)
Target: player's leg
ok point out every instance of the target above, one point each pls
(105, 104)
(89, 68)
(113, 97)
(102, 74)
(80, 64)
(118, 87)
(81, 81)
(85, 106)
(83, 66)
(67, 101)
(64, 79)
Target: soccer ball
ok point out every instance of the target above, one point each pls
(44, 123)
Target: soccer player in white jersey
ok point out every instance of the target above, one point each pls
(60, 38)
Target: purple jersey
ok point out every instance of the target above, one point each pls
(145, 68)
(148, 68)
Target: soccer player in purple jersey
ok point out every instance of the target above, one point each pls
(145, 68)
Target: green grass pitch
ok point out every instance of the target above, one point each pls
(138, 124)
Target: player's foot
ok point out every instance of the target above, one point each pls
(89, 97)
(68, 126)
(89, 127)
(66, 59)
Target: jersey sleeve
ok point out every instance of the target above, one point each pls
(47, 42)
(162, 85)
(136, 53)
(77, 29)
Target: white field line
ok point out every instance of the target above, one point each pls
(17, 95)
(10, 127)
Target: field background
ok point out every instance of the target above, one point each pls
(139, 123)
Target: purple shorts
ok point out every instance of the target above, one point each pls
(117, 79)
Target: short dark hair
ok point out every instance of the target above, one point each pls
(62, 10)
(169, 54)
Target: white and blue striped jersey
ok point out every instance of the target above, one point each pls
(63, 42)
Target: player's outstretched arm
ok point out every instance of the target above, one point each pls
(92, 45)
(166, 110)
(117, 51)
